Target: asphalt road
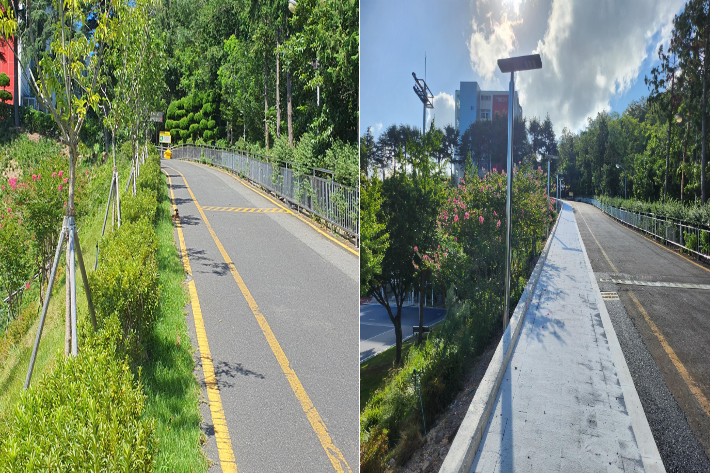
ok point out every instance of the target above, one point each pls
(306, 287)
(377, 330)
(664, 333)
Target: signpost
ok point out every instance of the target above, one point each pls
(165, 137)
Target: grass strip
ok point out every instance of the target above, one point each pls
(167, 377)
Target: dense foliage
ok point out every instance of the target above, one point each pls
(256, 76)
(463, 248)
(85, 415)
(483, 144)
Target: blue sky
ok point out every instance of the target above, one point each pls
(595, 54)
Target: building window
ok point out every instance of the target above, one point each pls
(485, 97)
(486, 114)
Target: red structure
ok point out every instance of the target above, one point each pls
(8, 66)
(500, 105)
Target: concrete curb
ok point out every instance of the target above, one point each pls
(650, 456)
(468, 438)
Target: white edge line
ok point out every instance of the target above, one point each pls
(468, 438)
(650, 456)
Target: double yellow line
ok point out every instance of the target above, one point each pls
(334, 455)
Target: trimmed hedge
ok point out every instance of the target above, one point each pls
(126, 283)
(85, 415)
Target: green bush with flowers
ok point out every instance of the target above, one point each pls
(32, 208)
(468, 260)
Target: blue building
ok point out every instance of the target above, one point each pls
(473, 104)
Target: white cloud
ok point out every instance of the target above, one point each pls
(487, 44)
(590, 52)
(377, 128)
(443, 110)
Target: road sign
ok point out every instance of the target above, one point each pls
(165, 137)
(156, 117)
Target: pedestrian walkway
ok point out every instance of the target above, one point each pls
(567, 401)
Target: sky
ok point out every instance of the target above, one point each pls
(595, 55)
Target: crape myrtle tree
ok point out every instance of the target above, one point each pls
(410, 201)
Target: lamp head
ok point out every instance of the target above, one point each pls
(292, 4)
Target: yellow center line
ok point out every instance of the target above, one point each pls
(221, 432)
(699, 396)
(303, 219)
(333, 453)
(689, 381)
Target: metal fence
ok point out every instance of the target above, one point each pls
(337, 204)
(691, 237)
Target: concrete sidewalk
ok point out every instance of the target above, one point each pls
(566, 401)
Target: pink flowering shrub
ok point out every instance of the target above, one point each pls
(472, 228)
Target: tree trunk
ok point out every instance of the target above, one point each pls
(289, 109)
(72, 166)
(682, 169)
(266, 104)
(668, 149)
(398, 336)
(704, 157)
(278, 79)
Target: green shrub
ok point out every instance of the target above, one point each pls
(126, 283)
(85, 415)
(135, 207)
(373, 452)
(35, 121)
(150, 175)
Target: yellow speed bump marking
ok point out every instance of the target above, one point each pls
(221, 432)
(694, 389)
(271, 210)
(333, 453)
(276, 202)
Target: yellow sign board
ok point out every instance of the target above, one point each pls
(165, 137)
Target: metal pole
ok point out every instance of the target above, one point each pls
(416, 377)
(509, 202)
(85, 280)
(47, 296)
(71, 273)
(118, 201)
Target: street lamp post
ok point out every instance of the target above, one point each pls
(549, 157)
(425, 95)
(512, 64)
(619, 166)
